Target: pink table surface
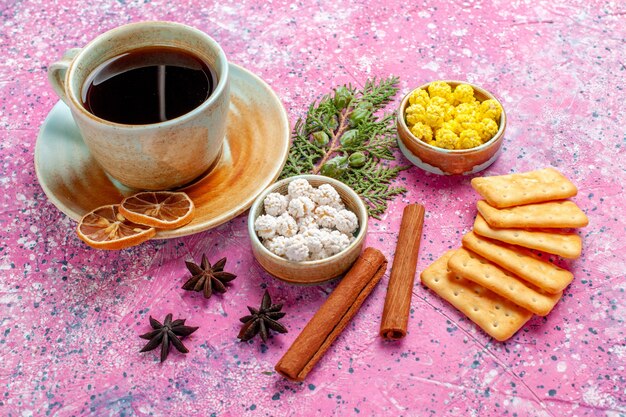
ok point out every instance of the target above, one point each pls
(70, 316)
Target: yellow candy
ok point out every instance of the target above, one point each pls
(446, 139)
(419, 96)
(469, 139)
(414, 114)
(475, 126)
(439, 101)
(434, 115)
(452, 119)
(422, 132)
(453, 125)
(450, 112)
(415, 109)
(489, 129)
(491, 109)
(464, 93)
(441, 89)
(467, 114)
(466, 120)
(413, 119)
(467, 108)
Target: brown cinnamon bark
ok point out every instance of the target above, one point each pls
(400, 288)
(333, 316)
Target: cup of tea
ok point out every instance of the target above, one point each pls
(151, 101)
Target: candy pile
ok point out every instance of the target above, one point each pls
(307, 224)
(452, 119)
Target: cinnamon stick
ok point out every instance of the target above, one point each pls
(333, 316)
(400, 288)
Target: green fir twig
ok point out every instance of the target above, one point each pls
(342, 137)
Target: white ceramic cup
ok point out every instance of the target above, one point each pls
(155, 156)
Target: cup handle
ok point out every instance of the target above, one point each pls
(57, 71)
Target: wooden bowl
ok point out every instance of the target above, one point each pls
(309, 272)
(446, 161)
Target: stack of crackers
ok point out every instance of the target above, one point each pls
(500, 278)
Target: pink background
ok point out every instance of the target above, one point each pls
(70, 316)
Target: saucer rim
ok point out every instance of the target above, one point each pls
(209, 223)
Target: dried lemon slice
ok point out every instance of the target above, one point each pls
(106, 228)
(160, 209)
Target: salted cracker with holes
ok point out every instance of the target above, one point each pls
(567, 245)
(497, 316)
(521, 262)
(475, 268)
(524, 188)
(552, 214)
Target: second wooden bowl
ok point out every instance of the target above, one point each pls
(445, 161)
(309, 272)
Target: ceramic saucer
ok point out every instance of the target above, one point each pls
(254, 152)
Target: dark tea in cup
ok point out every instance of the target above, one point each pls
(151, 101)
(148, 85)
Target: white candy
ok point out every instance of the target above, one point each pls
(286, 225)
(275, 204)
(316, 256)
(335, 242)
(313, 241)
(326, 195)
(296, 248)
(265, 226)
(326, 216)
(346, 221)
(299, 188)
(276, 245)
(301, 207)
(306, 223)
(338, 205)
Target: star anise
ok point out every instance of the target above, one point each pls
(261, 320)
(166, 334)
(207, 278)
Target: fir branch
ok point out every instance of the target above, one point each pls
(302, 154)
(372, 183)
(342, 137)
(381, 93)
(380, 138)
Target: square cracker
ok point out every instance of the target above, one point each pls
(567, 245)
(476, 268)
(521, 262)
(525, 188)
(497, 316)
(552, 214)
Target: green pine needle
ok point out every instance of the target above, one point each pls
(373, 139)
